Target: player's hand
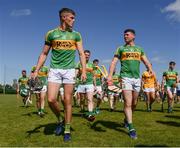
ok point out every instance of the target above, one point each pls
(109, 80)
(83, 76)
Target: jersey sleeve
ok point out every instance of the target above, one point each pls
(176, 73)
(47, 69)
(78, 37)
(94, 67)
(117, 53)
(19, 80)
(164, 73)
(142, 52)
(48, 38)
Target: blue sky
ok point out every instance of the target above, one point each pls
(23, 25)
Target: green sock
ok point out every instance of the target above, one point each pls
(91, 113)
(130, 126)
(67, 128)
(39, 110)
(42, 110)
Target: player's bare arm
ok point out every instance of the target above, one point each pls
(42, 59)
(82, 60)
(112, 68)
(147, 64)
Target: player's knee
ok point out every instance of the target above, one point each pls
(51, 101)
(67, 102)
(128, 105)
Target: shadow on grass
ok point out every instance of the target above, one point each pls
(141, 110)
(176, 110)
(107, 109)
(48, 129)
(170, 123)
(77, 114)
(173, 116)
(153, 110)
(157, 110)
(154, 145)
(26, 106)
(107, 124)
(32, 113)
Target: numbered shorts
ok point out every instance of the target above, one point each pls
(131, 84)
(85, 88)
(62, 76)
(172, 89)
(149, 89)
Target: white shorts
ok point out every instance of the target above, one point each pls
(44, 89)
(113, 94)
(131, 84)
(98, 89)
(85, 88)
(149, 89)
(172, 89)
(62, 76)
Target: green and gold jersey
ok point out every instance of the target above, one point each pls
(130, 57)
(64, 45)
(22, 81)
(98, 76)
(171, 77)
(42, 74)
(115, 79)
(89, 72)
(149, 80)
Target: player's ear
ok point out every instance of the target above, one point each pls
(63, 17)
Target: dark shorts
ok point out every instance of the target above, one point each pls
(178, 92)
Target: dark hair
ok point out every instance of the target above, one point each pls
(130, 30)
(172, 63)
(95, 60)
(23, 70)
(87, 51)
(66, 10)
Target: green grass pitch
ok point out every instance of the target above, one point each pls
(20, 126)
